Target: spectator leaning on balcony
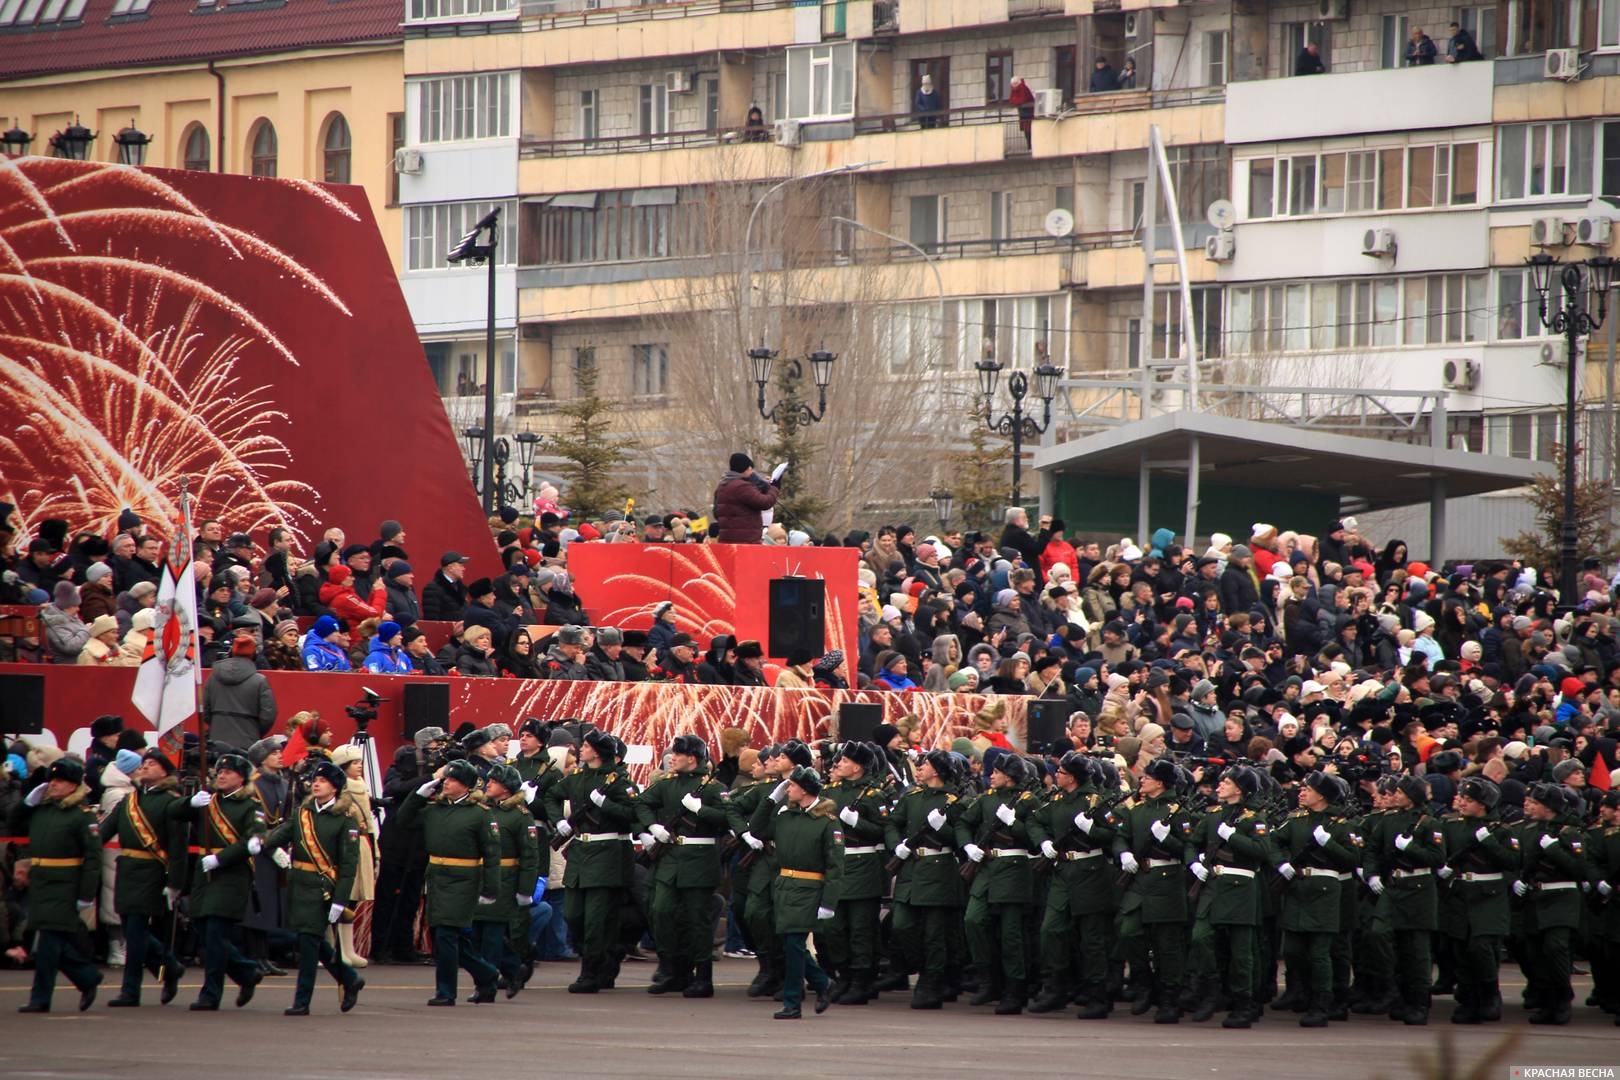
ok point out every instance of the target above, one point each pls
(1462, 46)
(928, 104)
(1022, 98)
(1420, 50)
(1103, 76)
(754, 129)
(1127, 74)
(1309, 61)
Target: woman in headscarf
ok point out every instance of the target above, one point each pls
(947, 657)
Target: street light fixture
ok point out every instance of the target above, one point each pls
(73, 142)
(942, 506)
(475, 451)
(527, 442)
(1573, 316)
(1014, 424)
(132, 143)
(15, 142)
(762, 360)
(478, 246)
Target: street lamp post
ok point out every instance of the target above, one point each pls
(1585, 287)
(527, 441)
(745, 301)
(1014, 424)
(132, 143)
(478, 246)
(14, 143)
(73, 142)
(761, 360)
(475, 453)
(942, 506)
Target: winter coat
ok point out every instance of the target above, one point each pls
(443, 599)
(345, 603)
(65, 633)
(1017, 537)
(471, 661)
(383, 659)
(402, 603)
(365, 876)
(307, 591)
(1238, 591)
(115, 786)
(563, 609)
(737, 506)
(1015, 622)
(237, 704)
(95, 599)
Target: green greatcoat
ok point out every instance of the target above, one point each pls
(807, 842)
(1234, 899)
(543, 774)
(1471, 907)
(863, 871)
(141, 880)
(1564, 859)
(464, 831)
(741, 807)
(1083, 870)
(62, 829)
(1412, 903)
(1310, 902)
(925, 880)
(1007, 874)
(224, 827)
(593, 863)
(520, 858)
(1159, 892)
(312, 894)
(683, 865)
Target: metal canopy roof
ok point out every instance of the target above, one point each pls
(1249, 453)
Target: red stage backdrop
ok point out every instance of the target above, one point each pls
(247, 334)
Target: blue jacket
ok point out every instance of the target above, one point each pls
(385, 660)
(324, 656)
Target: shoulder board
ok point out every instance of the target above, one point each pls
(1026, 795)
(949, 799)
(1174, 808)
(1091, 800)
(909, 791)
(612, 776)
(1246, 815)
(1300, 814)
(871, 791)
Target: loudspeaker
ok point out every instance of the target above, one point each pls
(426, 705)
(22, 704)
(798, 617)
(1045, 723)
(858, 721)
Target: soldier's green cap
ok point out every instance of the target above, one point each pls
(807, 778)
(506, 776)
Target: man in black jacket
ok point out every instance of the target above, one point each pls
(422, 658)
(445, 597)
(400, 583)
(1016, 536)
(604, 663)
(1238, 592)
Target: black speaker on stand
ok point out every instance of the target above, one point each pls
(798, 616)
(1045, 724)
(858, 721)
(425, 705)
(22, 704)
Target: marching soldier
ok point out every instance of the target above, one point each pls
(1374, 946)
(684, 811)
(496, 925)
(1236, 847)
(993, 832)
(1555, 866)
(325, 843)
(1075, 831)
(1403, 849)
(534, 765)
(1475, 909)
(596, 832)
(63, 878)
(464, 874)
(230, 831)
(1313, 850)
(851, 939)
(1151, 839)
(150, 825)
(810, 857)
(1603, 849)
(928, 890)
(751, 884)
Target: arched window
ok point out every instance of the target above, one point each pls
(194, 149)
(335, 148)
(263, 148)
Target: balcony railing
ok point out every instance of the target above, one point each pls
(1023, 9)
(602, 12)
(979, 249)
(638, 144)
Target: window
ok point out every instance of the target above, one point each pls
(1263, 188)
(396, 143)
(195, 150)
(929, 220)
(1064, 71)
(939, 69)
(776, 93)
(649, 370)
(1481, 22)
(1544, 160)
(21, 13)
(1200, 176)
(418, 10)
(1206, 307)
(1063, 197)
(1001, 209)
(1356, 181)
(1392, 41)
(130, 7)
(1610, 181)
(1137, 192)
(1297, 35)
(431, 230)
(1518, 308)
(1302, 186)
(1608, 25)
(456, 108)
(654, 109)
(1360, 181)
(821, 81)
(1215, 57)
(587, 116)
(1009, 329)
(613, 226)
(262, 150)
(997, 75)
(711, 104)
(1432, 309)
(335, 150)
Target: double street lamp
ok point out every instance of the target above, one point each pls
(763, 360)
(1581, 310)
(478, 246)
(499, 451)
(1014, 424)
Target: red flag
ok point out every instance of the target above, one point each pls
(1598, 774)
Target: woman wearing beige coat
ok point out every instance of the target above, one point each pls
(351, 759)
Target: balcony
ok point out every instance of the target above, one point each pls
(1359, 102)
(1105, 123)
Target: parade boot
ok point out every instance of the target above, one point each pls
(1417, 1009)
(1339, 1009)
(1380, 1000)
(1291, 1000)
(701, 985)
(1013, 998)
(1053, 996)
(1169, 1011)
(1116, 981)
(1096, 1007)
(1467, 1010)
(1558, 1013)
(1206, 1002)
(990, 988)
(773, 985)
(1490, 1003)
(586, 983)
(607, 972)
(952, 987)
(929, 993)
(839, 982)
(1242, 1014)
(665, 978)
(859, 991)
(893, 981)
(756, 988)
(1141, 1000)
(482, 995)
(1316, 1014)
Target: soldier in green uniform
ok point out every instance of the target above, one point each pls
(1313, 849)
(1374, 947)
(497, 925)
(1237, 847)
(601, 810)
(1603, 850)
(1151, 842)
(684, 811)
(810, 858)
(1075, 830)
(1554, 868)
(230, 831)
(928, 889)
(325, 843)
(464, 874)
(535, 767)
(850, 941)
(150, 825)
(1475, 911)
(63, 878)
(993, 832)
(1403, 849)
(751, 885)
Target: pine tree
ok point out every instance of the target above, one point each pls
(797, 505)
(591, 456)
(1594, 535)
(982, 474)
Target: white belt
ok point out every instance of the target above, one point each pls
(1221, 871)
(870, 850)
(927, 851)
(1316, 871)
(1422, 871)
(1548, 886)
(1075, 856)
(688, 840)
(1009, 853)
(598, 837)
(1153, 863)
(1479, 877)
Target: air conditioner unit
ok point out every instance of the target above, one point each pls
(1562, 64)
(1548, 232)
(677, 82)
(1221, 247)
(788, 132)
(407, 160)
(1332, 9)
(1048, 102)
(1460, 374)
(1378, 242)
(1594, 231)
(1131, 24)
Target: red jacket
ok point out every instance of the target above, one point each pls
(346, 603)
(1059, 551)
(737, 503)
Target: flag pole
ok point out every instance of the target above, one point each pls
(195, 639)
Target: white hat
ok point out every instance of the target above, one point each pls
(1130, 553)
(1312, 687)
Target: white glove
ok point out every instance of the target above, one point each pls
(599, 797)
(255, 844)
(202, 798)
(689, 800)
(426, 790)
(1321, 836)
(524, 899)
(824, 913)
(1286, 870)
(171, 895)
(281, 858)
(483, 901)
(778, 793)
(1006, 813)
(1082, 821)
(1160, 830)
(1224, 831)
(753, 841)
(1604, 888)
(1376, 884)
(1200, 871)
(35, 797)
(210, 863)
(1048, 849)
(902, 851)
(1481, 834)
(1548, 841)
(529, 791)
(849, 816)
(1127, 862)
(84, 905)
(1402, 842)
(1520, 888)
(1444, 873)
(645, 840)
(564, 829)
(659, 833)
(335, 912)
(936, 819)
(974, 852)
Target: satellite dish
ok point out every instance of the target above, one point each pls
(1060, 223)
(1222, 213)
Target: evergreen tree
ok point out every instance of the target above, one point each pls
(1543, 548)
(798, 506)
(591, 455)
(981, 476)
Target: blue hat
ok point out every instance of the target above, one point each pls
(127, 762)
(324, 627)
(387, 631)
(398, 568)
(19, 767)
